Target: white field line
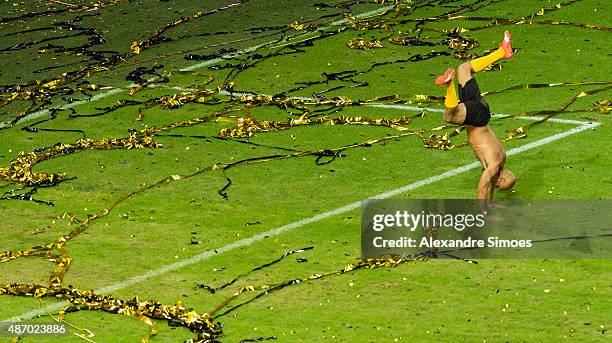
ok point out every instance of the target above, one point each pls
(40, 113)
(285, 228)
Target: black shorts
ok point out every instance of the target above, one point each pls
(477, 110)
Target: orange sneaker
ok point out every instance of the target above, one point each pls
(448, 76)
(506, 44)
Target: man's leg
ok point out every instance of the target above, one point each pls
(465, 70)
(504, 51)
(465, 73)
(454, 112)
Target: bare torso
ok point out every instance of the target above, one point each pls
(485, 144)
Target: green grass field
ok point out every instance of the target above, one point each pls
(202, 207)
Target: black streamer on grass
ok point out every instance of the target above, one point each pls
(347, 75)
(214, 290)
(52, 115)
(260, 295)
(109, 109)
(25, 196)
(323, 157)
(243, 141)
(137, 74)
(259, 339)
(49, 12)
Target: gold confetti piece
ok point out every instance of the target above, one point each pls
(135, 47)
(382, 2)
(135, 89)
(364, 24)
(51, 84)
(363, 44)
(297, 26)
(442, 143)
(140, 115)
(604, 106)
(517, 133)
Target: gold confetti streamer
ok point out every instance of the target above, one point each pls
(365, 24)
(20, 170)
(364, 44)
(297, 26)
(247, 127)
(604, 106)
(147, 311)
(382, 2)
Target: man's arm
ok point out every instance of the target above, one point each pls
(487, 185)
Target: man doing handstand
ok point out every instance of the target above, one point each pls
(473, 112)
